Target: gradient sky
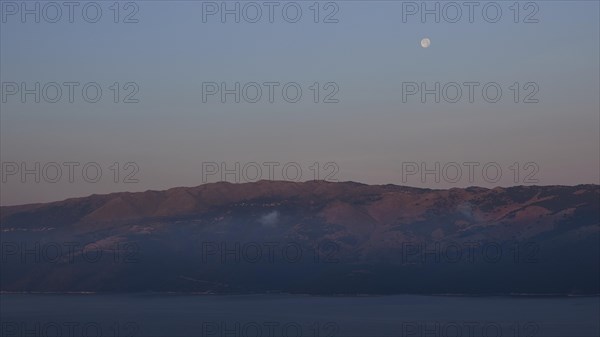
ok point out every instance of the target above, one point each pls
(369, 53)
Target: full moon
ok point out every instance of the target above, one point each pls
(425, 43)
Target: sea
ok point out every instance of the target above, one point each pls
(274, 315)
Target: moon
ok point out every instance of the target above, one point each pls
(426, 42)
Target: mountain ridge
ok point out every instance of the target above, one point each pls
(548, 236)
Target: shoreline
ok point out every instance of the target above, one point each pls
(171, 293)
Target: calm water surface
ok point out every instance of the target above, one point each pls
(296, 315)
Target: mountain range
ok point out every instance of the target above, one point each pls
(308, 237)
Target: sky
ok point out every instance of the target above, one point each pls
(370, 123)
